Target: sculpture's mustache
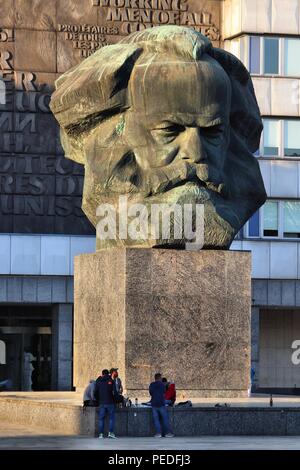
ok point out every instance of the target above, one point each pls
(218, 188)
(158, 180)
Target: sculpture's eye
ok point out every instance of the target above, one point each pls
(213, 133)
(167, 131)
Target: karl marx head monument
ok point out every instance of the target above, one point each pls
(164, 117)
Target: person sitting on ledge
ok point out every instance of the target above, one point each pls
(170, 393)
(88, 395)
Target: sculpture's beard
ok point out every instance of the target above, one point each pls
(218, 233)
(182, 184)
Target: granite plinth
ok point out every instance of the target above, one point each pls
(185, 314)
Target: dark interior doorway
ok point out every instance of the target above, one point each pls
(25, 333)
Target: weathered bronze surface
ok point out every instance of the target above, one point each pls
(164, 117)
(40, 190)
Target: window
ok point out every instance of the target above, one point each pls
(271, 55)
(271, 137)
(281, 138)
(276, 219)
(254, 225)
(291, 57)
(292, 138)
(268, 55)
(254, 65)
(292, 219)
(270, 219)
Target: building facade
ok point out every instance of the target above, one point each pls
(42, 226)
(265, 35)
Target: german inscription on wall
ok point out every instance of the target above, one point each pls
(40, 190)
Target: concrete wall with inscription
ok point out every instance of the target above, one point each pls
(40, 190)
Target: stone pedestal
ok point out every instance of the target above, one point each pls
(184, 314)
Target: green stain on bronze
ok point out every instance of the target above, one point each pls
(120, 126)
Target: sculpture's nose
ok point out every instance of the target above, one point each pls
(193, 149)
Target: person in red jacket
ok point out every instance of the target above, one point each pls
(170, 393)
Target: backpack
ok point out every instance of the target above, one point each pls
(185, 404)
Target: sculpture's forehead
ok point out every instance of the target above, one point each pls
(178, 86)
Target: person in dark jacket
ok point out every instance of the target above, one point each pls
(157, 392)
(104, 393)
(119, 387)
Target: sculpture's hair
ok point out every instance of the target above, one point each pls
(176, 40)
(97, 88)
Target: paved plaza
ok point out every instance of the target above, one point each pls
(20, 437)
(55, 416)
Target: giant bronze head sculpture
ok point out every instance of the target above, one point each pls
(164, 117)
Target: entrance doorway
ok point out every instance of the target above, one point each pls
(25, 334)
(279, 329)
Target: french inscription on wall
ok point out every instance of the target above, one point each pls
(40, 190)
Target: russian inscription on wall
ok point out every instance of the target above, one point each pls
(40, 190)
